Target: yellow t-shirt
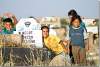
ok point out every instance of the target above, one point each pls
(52, 43)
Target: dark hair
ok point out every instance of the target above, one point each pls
(8, 20)
(45, 27)
(76, 17)
(72, 13)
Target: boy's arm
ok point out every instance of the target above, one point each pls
(68, 46)
(85, 39)
(67, 38)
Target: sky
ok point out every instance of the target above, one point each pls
(44, 8)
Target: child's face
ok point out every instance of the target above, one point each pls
(45, 32)
(76, 23)
(7, 25)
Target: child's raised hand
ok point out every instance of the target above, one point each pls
(8, 14)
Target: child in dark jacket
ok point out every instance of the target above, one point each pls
(76, 38)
